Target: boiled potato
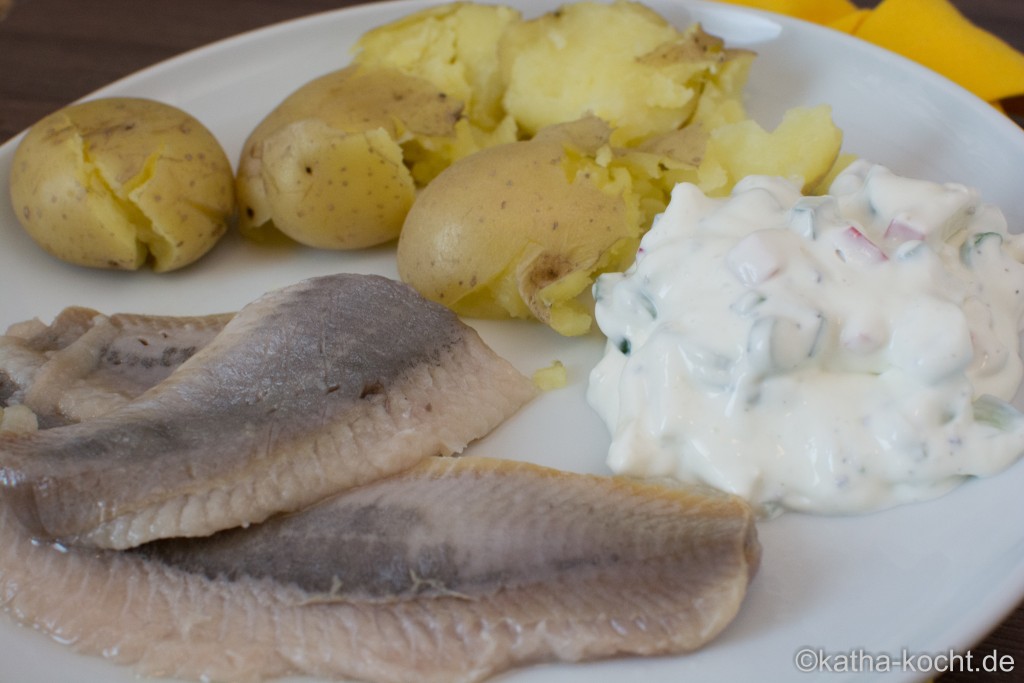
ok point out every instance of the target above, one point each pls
(522, 229)
(621, 62)
(327, 166)
(111, 182)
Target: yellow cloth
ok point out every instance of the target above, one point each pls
(931, 32)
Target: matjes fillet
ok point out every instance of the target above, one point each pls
(449, 572)
(313, 388)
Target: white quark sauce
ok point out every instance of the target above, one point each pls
(832, 354)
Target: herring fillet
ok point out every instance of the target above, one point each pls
(476, 566)
(85, 363)
(310, 389)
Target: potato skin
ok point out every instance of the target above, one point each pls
(108, 183)
(326, 166)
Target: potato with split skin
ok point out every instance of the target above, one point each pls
(521, 230)
(327, 167)
(112, 182)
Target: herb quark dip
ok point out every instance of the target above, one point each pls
(833, 354)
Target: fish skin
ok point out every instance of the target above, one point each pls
(545, 566)
(85, 363)
(312, 388)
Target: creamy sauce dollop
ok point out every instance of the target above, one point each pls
(832, 354)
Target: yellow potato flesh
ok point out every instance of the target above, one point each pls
(326, 166)
(804, 147)
(111, 182)
(552, 377)
(621, 62)
(452, 46)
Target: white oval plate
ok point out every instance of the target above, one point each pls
(919, 579)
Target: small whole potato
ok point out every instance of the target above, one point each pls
(327, 166)
(112, 182)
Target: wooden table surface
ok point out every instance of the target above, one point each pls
(55, 51)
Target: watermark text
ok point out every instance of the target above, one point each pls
(820, 660)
